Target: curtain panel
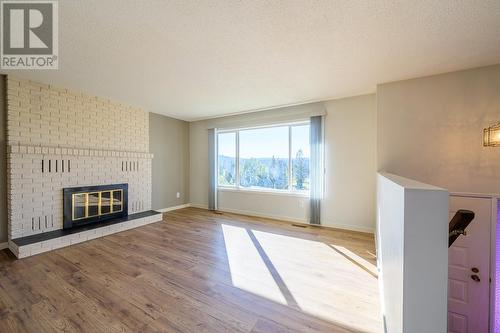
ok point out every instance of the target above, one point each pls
(316, 169)
(212, 169)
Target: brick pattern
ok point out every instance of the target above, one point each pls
(42, 115)
(52, 136)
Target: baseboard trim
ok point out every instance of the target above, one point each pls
(266, 216)
(168, 209)
(289, 219)
(201, 206)
(365, 230)
(4, 245)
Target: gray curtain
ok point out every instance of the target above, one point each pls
(212, 169)
(316, 167)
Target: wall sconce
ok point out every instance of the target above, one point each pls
(491, 136)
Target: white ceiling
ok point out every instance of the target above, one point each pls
(197, 59)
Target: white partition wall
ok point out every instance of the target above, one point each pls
(412, 245)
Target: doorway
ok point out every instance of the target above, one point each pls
(469, 268)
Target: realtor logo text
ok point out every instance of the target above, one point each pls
(29, 35)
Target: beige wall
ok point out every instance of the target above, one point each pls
(3, 162)
(350, 162)
(198, 163)
(288, 207)
(169, 143)
(430, 129)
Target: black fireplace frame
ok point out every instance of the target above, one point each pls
(68, 221)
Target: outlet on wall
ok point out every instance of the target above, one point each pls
(178, 195)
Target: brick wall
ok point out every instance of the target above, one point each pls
(58, 138)
(41, 115)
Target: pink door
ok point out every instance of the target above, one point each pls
(469, 269)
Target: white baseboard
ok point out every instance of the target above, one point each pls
(267, 216)
(4, 245)
(325, 224)
(201, 206)
(348, 227)
(251, 213)
(168, 209)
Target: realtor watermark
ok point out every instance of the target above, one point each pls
(29, 38)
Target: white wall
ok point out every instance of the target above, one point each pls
(282, 206)
(350, 163)
(430, 129)
(412, 226)
(101, 142)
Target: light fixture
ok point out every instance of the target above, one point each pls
(491, 136)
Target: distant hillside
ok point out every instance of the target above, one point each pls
(265, 172)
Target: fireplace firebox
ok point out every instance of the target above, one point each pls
(93, 204)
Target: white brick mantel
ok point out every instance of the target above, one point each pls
(57, 138)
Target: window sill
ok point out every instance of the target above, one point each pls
(261, 191)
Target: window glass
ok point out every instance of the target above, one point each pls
(227, 159)
(264, 158)
(300, 158)
(272, 158)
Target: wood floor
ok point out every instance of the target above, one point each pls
(197, 271)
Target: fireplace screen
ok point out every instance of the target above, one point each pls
(84, 205)
(96, 204)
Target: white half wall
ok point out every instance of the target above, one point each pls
(350, 168)
(412, 255)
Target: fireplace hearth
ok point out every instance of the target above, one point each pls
(94, 204)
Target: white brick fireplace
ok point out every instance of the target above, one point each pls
(57, 139)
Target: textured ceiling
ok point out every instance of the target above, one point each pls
(197, 59)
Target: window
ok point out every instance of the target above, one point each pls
(264, 158)
(269, 158)
(300, 157)
(227, 158)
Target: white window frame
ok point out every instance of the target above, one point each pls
(236, 187)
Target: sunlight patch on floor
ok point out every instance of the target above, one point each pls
(357, 260)
(324, 280)
(248, 271)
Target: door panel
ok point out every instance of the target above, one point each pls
(469, 269)
(458, 323)
(457, 291)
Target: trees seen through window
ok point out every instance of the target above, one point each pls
(265, 158)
